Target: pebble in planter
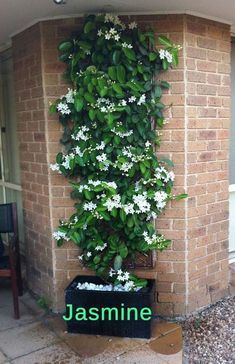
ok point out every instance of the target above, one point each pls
(110, 116)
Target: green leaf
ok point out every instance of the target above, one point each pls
(152, 56)
(165, 41)
(129, 53)
(142, 168)
(75, 237)
(86, 46)
(104, 92)
(52, 108)
(181, 196)
(114, 212)
(110, 120)
(105, 215)
(116, 57)
(78, 103)
(96, 259)
(123, 251)
(88, 195)
(165, 65)
(65, 46)
(175, 59)
(117, 264)
(59, 158)
(130, 222)
(167, 161)
(122, 215)
(88, 27)
(158, 91)
(92, 114)
(79, 161)
(90, 98)
(165, 84)
(112, 73)
(121, 74)
(117, 89)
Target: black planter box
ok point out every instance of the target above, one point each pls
(109, 324)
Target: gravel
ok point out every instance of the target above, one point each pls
(209, 336)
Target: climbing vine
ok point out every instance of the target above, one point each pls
(110, 117)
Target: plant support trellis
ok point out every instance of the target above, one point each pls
(118, 182)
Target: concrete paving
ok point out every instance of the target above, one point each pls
(40, 338)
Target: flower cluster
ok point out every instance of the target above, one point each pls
(165, 54)
(154, 239)
(109, 34)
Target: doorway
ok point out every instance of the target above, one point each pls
(10, 188)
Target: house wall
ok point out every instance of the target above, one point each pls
(194, 271)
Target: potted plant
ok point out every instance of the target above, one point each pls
(110, 116)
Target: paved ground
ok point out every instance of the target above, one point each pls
(42, 339)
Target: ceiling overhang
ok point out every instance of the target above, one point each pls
(18, 15)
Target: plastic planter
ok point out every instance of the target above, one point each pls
(110, 325)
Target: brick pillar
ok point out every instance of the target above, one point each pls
(193, 271)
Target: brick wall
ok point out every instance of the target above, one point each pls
(207, 47)
(31, 129)
(193, 271)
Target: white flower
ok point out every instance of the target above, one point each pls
(129, 286)
(132, 99)
(154, 239)
(112, 272)
(112, 31)
(89, 254)
(100, 33)
(101, 247)
(148, 144)
(100, 146)
(123, 103)
(81, 134)
(142, 99)
(102, 157)
(80, 257)
(126, 276)
(67, 159)
(107, 36)
(160, 199)
(63, 108)
(57, 235)
(129, 208)
(126, 45)
(171, 175)
(114, 201)
(70, 96)
(132, 25)
(89, 206)
(164, 54)
(55, 167)
(78, 151)
(125, 167)
(141, 202)
(117, 37)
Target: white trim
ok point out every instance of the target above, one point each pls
(5, 46)
(186, 170)
(231, 188)
(231, 257)
(165, 12)
(12, 186)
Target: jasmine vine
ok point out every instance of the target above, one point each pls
(111, 115)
